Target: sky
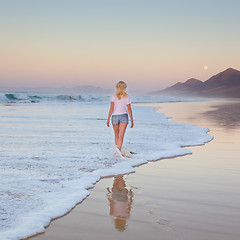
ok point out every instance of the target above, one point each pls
(150, 44)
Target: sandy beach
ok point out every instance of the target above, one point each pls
(190, 197)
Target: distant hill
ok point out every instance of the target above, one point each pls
(89, 89)
(224, 84)
(82, 89)
(191, 85)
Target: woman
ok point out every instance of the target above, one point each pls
(119, 110)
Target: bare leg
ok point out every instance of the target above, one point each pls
(122, 129)
(116, 132)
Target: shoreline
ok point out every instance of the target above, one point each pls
(106, 179)
(46, 214)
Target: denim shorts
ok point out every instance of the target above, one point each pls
(120, 118)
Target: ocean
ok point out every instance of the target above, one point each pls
(54, 147)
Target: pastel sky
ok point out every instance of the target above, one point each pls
(150, 44)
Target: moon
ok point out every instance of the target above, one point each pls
(205, 67)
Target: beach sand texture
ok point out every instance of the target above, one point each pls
(191, 197)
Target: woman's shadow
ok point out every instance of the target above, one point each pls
(120, 199)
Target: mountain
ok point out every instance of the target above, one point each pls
(191, 85)
(89, 89)
(82, 89)
(224, 84)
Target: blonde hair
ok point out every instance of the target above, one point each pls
(121, 89)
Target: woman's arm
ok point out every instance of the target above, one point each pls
(130, 114)
(110, 113)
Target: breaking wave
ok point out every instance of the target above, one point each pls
(27, 97)
(38, 97)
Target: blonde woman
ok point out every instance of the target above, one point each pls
(119, 110)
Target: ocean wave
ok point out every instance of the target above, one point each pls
(16, 97)
(24, 97)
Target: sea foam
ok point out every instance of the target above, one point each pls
(51, 153)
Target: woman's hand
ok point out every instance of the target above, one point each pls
(110, 113)
(130, 114)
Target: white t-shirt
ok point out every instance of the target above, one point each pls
(120, 106)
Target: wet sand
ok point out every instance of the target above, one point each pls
(191, 197)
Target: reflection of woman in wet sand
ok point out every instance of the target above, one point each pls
(120, 199)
